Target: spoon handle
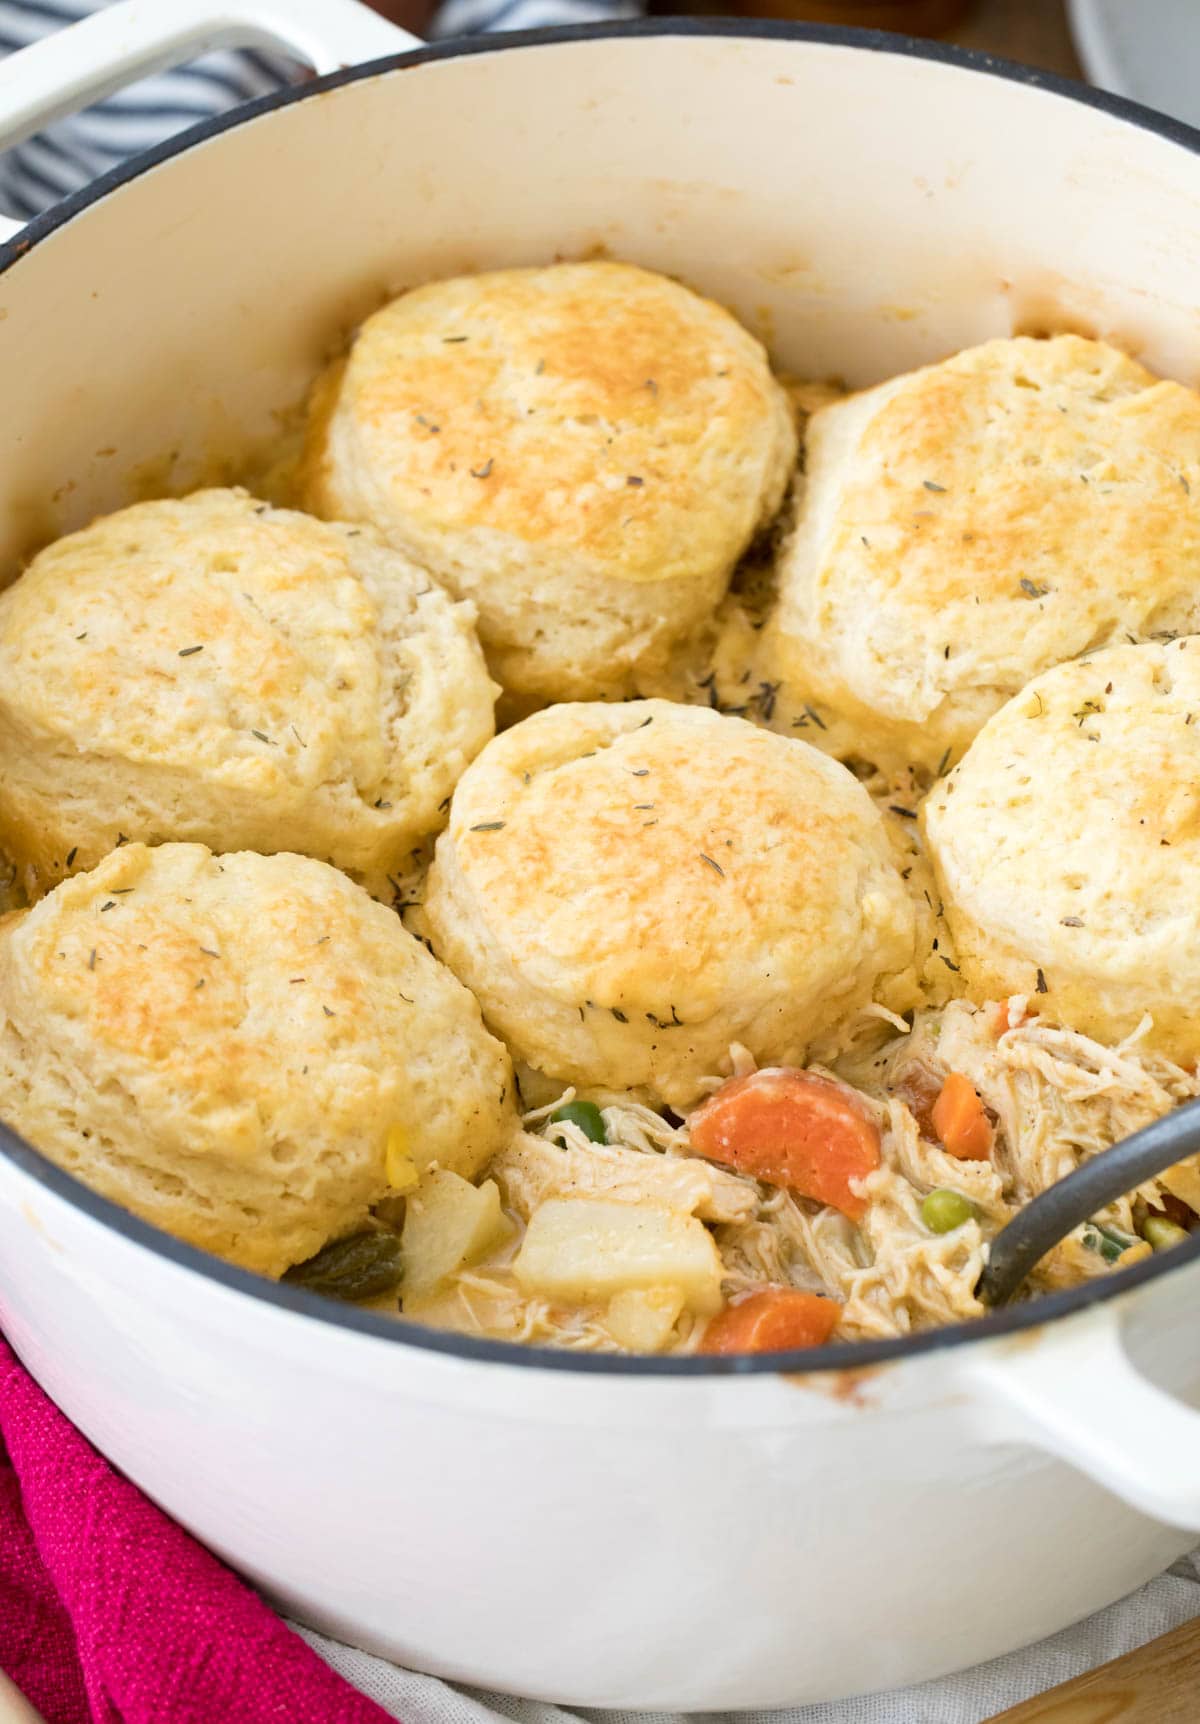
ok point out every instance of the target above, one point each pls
(1045, 1221)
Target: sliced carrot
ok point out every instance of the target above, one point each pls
(791, 1128)
(773, 1321)
(960, 1121)
(1004, 1018)
(918, 1089)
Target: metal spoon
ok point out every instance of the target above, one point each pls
(1045, 1221)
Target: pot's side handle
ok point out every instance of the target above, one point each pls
(81, 64)
(1073, 1389)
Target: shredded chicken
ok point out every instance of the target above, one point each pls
(488, 1302)
(1056, 1097)
(533, 1169)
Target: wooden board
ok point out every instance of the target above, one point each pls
(1158, 1684)
(1035, 33)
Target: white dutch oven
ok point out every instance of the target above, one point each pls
(682, 1534)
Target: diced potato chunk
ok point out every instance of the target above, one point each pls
(448, 1224)
(643, 1320)
(583, 1248)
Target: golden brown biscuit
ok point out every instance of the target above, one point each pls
(583, 450)
(1067, 846)
(215, 670)
(630, 889)
(229, 1046)
(963, 528)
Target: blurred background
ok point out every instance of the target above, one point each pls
(1148, 50)
(1034, 31)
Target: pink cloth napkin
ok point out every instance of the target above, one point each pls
(112, 1614)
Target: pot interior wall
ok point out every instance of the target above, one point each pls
(864, 211)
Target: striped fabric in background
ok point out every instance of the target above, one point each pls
(73, 151)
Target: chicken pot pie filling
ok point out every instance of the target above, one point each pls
(608, 1226)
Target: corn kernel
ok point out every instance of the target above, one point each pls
(401, 1169)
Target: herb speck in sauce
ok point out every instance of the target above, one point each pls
(765, 698)
(809, 716)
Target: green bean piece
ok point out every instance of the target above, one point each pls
(944, 1210)
(584, 1114)
(364, 1266)
(1162, 1234)
(1109, 1242)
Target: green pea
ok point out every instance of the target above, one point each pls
(944, 1210)
(1163, 1234)
(584, 1114)
(364, 1266)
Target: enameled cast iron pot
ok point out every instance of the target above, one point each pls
(684, 1534)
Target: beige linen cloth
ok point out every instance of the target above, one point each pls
(971, 1698)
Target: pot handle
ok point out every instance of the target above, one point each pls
(1073, 1390)
(87, 61)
